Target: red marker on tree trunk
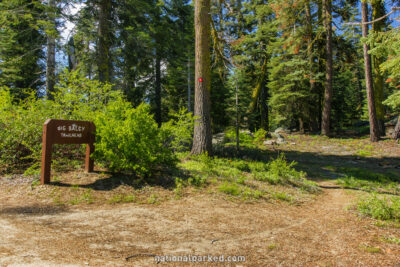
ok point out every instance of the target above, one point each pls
(200, 79)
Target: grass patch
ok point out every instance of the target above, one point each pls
(386, 224)
(279, 171)
(379, 207)
(391, 240)
(121, 198)
(85, 197)
(241, 177)
(369, 181)
(370, 249)
(280, 195)
(153, 199)
(230, 189)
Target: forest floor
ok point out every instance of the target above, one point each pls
(86, 220)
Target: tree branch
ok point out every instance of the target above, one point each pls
(394, 9)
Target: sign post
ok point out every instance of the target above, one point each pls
(66, 132)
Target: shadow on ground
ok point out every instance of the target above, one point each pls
(320, 167)
(164, 179)
(34, 210)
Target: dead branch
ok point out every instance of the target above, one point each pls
(394, 9)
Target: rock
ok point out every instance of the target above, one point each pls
(269, 142)
(282, 130)
(281, 141)
(276, 135)
(218, 138)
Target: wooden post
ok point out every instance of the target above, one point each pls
(46, 155)
(89, 162)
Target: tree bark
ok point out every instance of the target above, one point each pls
(378, 10)
(374, 132)
(158, 88)
(202, 139)
(51, 54)
(396, 134)
(104, 42)
(264, 108)
(326, 113)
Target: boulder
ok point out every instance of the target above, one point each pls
(280, 141)
(270, 142)
(218, 138)
(282, 130)
(276, 135)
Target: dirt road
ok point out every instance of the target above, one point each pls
(320, 233)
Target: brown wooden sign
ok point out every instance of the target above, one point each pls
(66, 132)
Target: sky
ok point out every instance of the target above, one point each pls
(73, 10)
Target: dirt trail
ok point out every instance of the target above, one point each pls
(320, 233)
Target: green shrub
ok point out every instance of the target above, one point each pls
(230, 189)
(382, 208)
(21, 129)
(279, 171)
(260, 136)
(177, 133)
(244, 137)
(368, 180)
(128, 139)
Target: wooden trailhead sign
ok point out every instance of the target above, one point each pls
(66, 132)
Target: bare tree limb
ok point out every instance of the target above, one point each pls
(394, 9)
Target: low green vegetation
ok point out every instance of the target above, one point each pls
(391, 240)
(370, 249)
(127, 138)
(248, 179)
(368, 180)
(380, 207)
(121, 198)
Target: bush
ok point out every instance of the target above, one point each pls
(260, 136)
(128, 139)
(177, 133)
(244, 137)
(279, 171)
(21, 124)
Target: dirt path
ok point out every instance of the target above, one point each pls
(320, 233)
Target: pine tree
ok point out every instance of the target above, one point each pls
(202, 130)
(373, 124)
(21, 43)
(326, 113)
(378, 10)
(51, 50)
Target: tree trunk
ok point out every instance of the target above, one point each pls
(396, 134)
(313, 112)
(189, 88)
(378, 10)
(51, 54)
(158, 88)
(326, 114)
(374, 132)
(237, 119)
(202, 139)
(264, 108)
(72, 60)
(301, 125)
(104, 42)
